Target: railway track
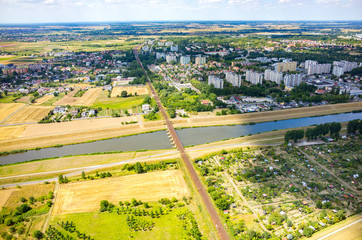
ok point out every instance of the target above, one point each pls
(200, 188)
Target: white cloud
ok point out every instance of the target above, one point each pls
(328, 1)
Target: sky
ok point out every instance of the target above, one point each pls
(49, 11)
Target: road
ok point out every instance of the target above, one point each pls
(165, 155)
(209, 206)
(349, 229)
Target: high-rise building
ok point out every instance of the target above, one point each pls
(346, 66)
(218, 82)
(170, 58)
(286, 66)
(273, 76)
(338, 70)
(254, 77)
(184, 60)
(174, 48)
(309, 63)
(160, 55)
(233, 78)
(292, 80)
(319, 69)
(199, 60)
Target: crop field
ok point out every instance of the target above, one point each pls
(80, 197)
(26, 192)
(4, 196)
(29, 114)
(8, 108)
(9, 132)
(88, 97)
(67, 99)
(140, 90)
(117, 103)
(43, 99)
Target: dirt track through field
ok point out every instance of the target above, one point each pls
(88, 97)
(198, 184)
(8, 108)
(81, 197)
(28, 114)
(43, 99)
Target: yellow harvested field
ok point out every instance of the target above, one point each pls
(4, 196)
(76, 126)
(88, 97)
(36, 190)
(349, 229)
(67, 99)
(29, 114)
(10, 132)
(8, 108)
(140, 90)
(79, 85)
(43, 99)
(81, 197)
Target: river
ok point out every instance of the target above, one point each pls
(160, 140)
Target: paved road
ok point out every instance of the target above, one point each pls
(132, 160)
(209, 206)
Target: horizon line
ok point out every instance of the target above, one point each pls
(174, 21)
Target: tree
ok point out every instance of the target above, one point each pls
(38, 234)
(83, 174)
(335, 128)
(222, 204)
(171, 112)
(319, 204)
(353, 126)
(23, 208)
(124, 93)
(307, 231)
(104, 205)
(138, 168)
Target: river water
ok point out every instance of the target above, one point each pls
(160, 140)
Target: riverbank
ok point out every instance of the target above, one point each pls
(45, 135)
(257, 117)
(51, 168)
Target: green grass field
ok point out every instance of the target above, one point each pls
(5, 59)
(113, 226)
(117, 103)
(7, 99)
(28, 48)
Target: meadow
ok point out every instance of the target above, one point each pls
(117, 103)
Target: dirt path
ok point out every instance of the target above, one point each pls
(331, 173)
(46, 222)
(231, 181)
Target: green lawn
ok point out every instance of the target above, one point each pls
(8, 58)
(112, 226)
(118, 103)
(7, 99)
